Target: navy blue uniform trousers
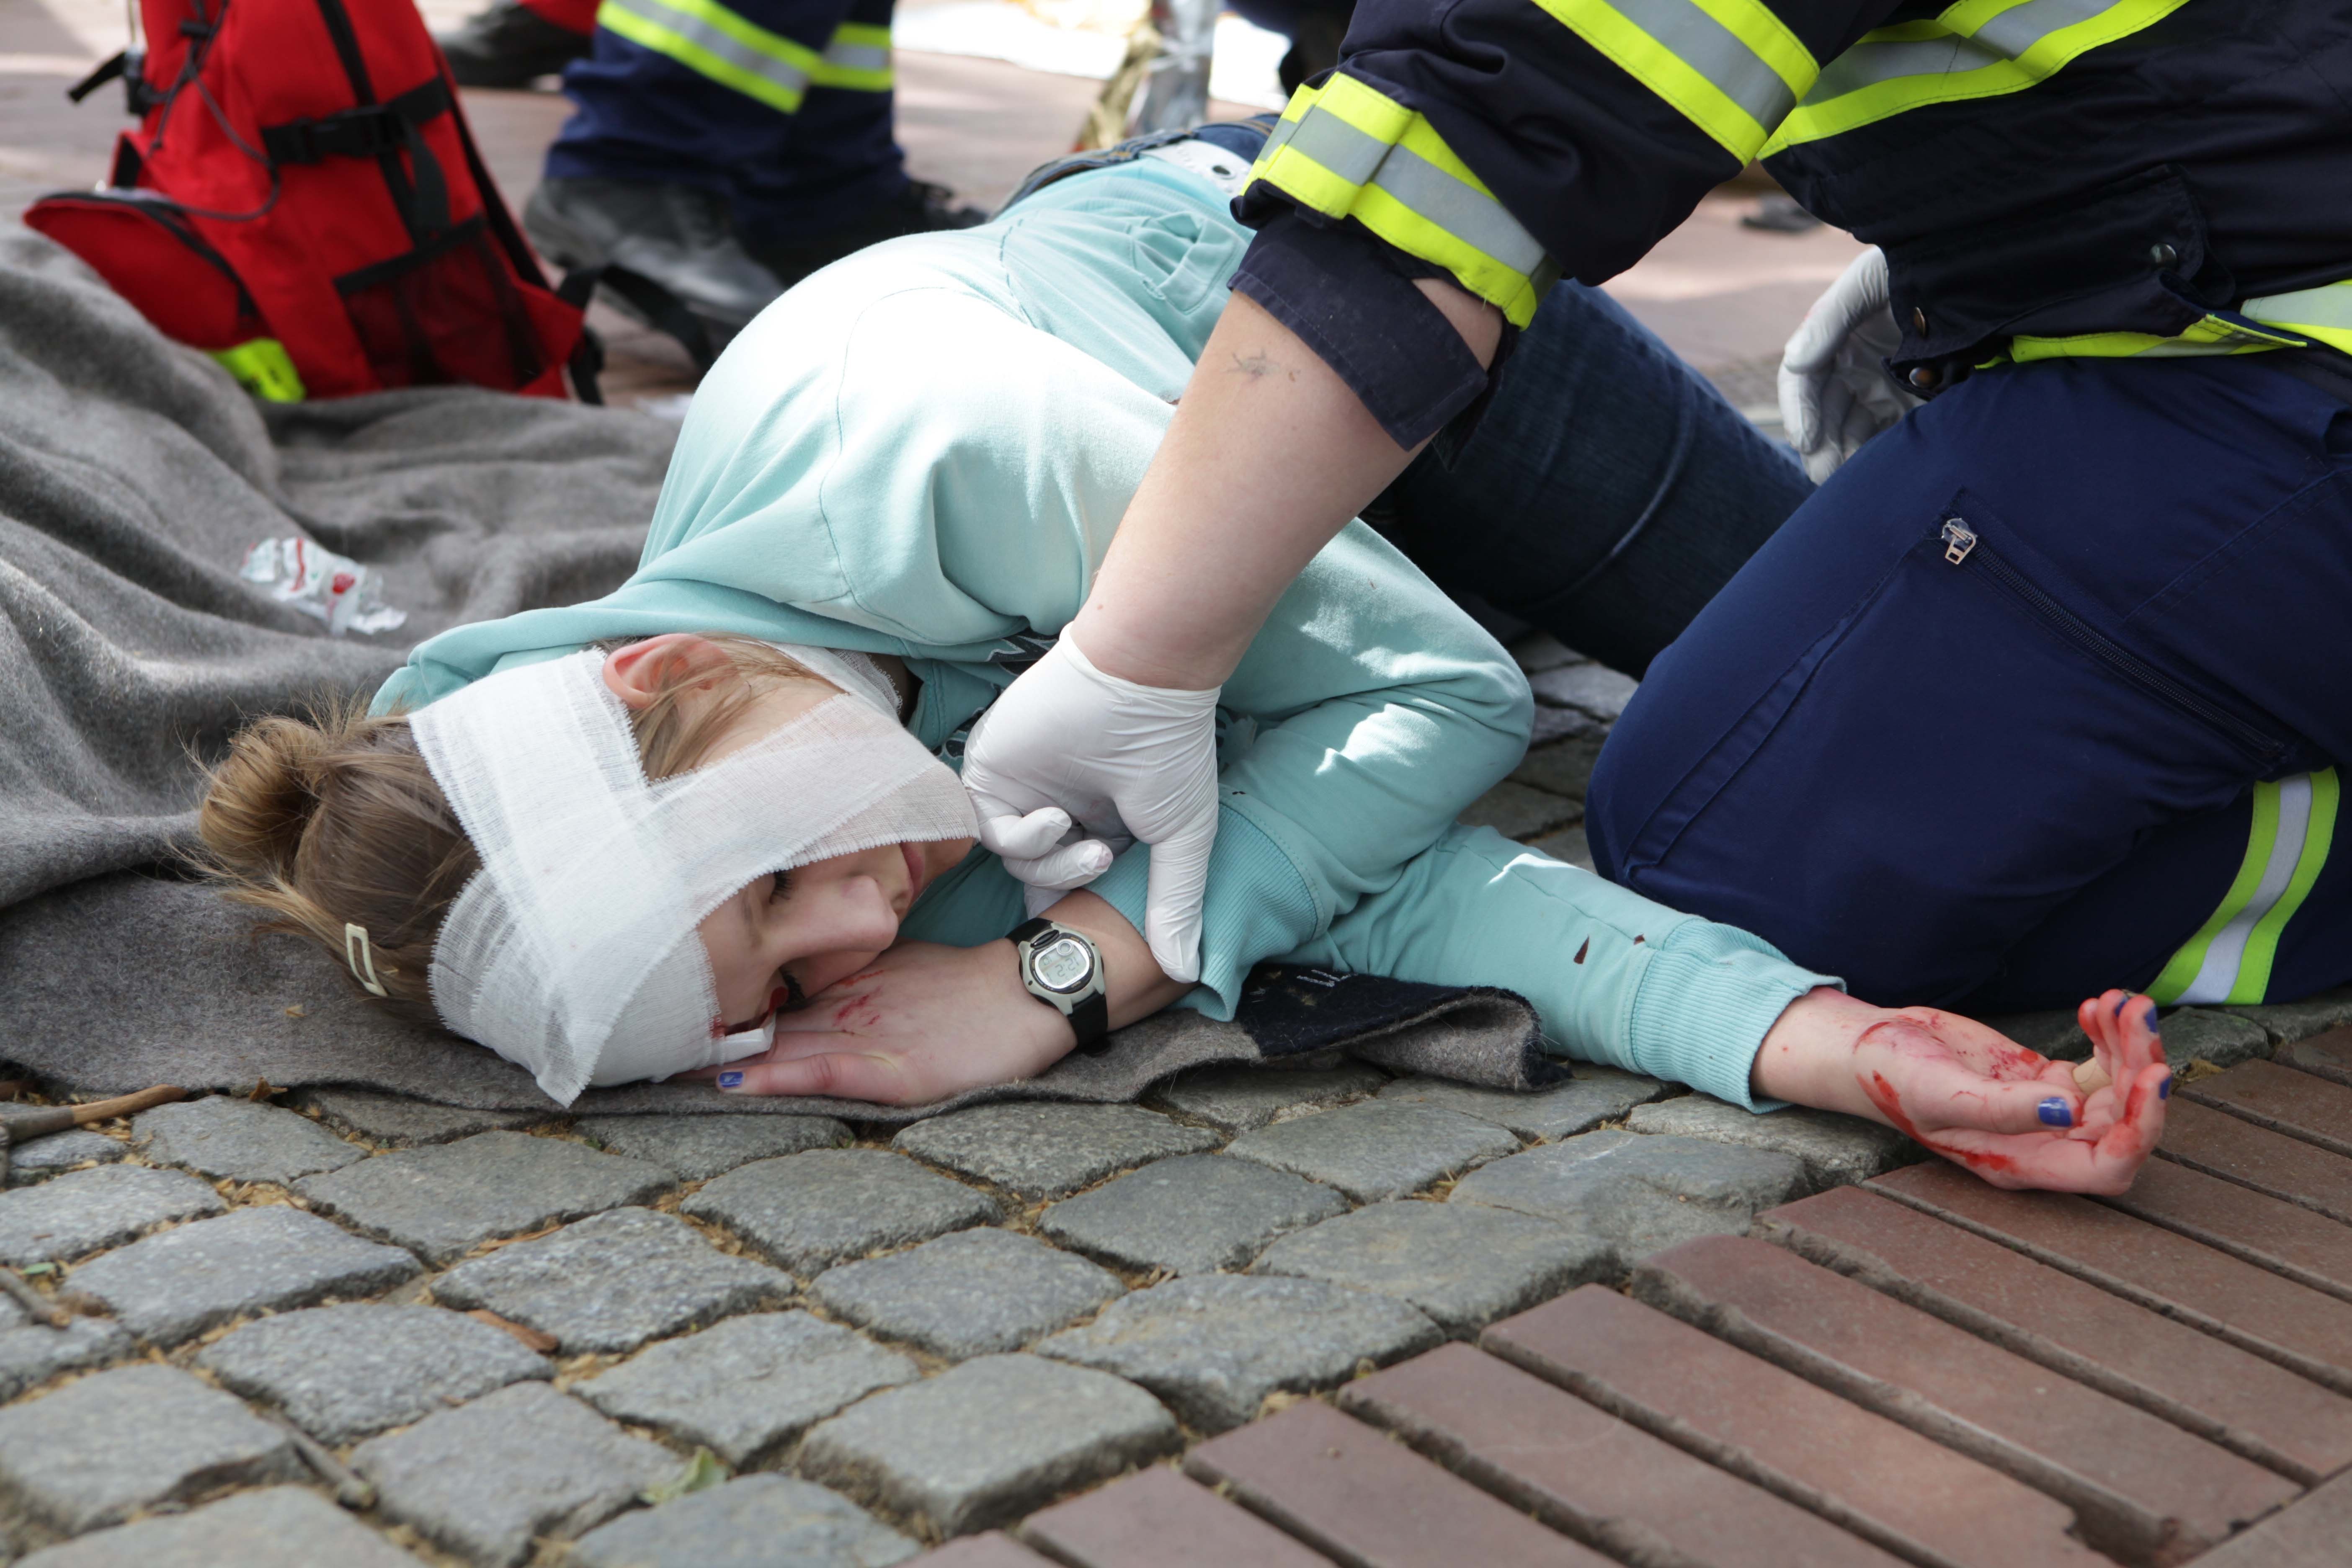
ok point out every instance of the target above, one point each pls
(2041, 693)
(650, 116)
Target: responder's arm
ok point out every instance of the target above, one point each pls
(1270, 452)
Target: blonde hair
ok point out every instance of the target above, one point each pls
(334, 818)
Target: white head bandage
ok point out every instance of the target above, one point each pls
(574, 950)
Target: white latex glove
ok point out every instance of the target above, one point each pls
(1071, 762)
(1835, 395)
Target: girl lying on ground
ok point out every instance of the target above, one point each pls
(708, 824)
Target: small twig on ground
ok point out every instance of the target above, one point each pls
(40, 1307)
(535, 1339)
(351, 1490)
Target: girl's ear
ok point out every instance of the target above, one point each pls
(642, 670)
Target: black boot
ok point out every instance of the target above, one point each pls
(508, 46)
(920, 208)
(663, 255)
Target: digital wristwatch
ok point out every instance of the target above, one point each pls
(1064, 969)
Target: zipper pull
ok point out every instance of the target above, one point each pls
(1958, 540)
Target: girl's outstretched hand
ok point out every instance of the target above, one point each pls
(918, 1024)
(1971, 1094)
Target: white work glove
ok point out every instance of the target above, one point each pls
(1071, 764)
(1835, 395)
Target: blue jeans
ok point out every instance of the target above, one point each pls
(1605, 493)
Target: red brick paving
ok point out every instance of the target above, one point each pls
(2328, 1055)
(1351, 1492)
(2139, 1486)
(2224, 1394)
(1159, 1518)
(1742, 1413)
(2314, 1533)
(2299, 1328)
(2282, 1164)
(2281, 1099)
(1580, 1469)
(994, 1550)
(2269, 1232)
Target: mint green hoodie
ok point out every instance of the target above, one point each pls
(924, 451)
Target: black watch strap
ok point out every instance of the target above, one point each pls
(1090, 1017)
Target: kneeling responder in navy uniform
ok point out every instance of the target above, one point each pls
(2046, 691)
(719, 152)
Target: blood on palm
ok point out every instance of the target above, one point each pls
(1890, 1105)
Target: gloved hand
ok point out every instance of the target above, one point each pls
(1835, 395)
(1071, 764)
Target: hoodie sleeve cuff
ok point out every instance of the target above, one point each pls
(1710, 996)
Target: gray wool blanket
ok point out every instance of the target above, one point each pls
(134, 476)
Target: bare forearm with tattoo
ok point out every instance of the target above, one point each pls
(1268, 456)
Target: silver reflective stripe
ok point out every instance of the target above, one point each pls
(725, 46)
(2005, 38)
(1429, 191)
(2217, 976)
(1477, 220)
(857, 57)
(1867, 64)
(2328, 307)
(1283, 130)
(1715, 52)
(1352, 154)
(2016, 31)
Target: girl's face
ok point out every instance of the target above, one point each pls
(788, 935)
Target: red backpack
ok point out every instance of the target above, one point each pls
(304, 199)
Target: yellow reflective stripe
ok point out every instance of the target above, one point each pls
(264, 368)
(2318, 838)
(713, 41)
(2213, 335)
(2323, 314)
(1730, 67)
(857, 59)
(1348, 149)
(2289, 836)
(1990, 47)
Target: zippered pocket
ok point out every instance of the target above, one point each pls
(1965, 549)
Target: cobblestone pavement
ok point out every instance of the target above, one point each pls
(496, 1339)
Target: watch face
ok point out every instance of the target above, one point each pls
(1061, 964)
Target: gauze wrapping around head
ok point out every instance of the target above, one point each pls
(574, 950)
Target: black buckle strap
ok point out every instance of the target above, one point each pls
(367, 132)
(129, 66)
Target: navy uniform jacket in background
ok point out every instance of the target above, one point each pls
(2047, 177)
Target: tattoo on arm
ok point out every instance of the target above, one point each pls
(1259, 365)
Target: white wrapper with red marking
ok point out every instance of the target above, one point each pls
(346, 596)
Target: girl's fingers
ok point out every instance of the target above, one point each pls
(2142, 1044)
(2096, 1016)
(1934, 1092)
(836, 1075)
(2105, 1166)
(2138, 1131)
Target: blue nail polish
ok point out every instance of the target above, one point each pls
(2164, 1089)
(2056, 1112)
(2123, 1004)
(730, 1080)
